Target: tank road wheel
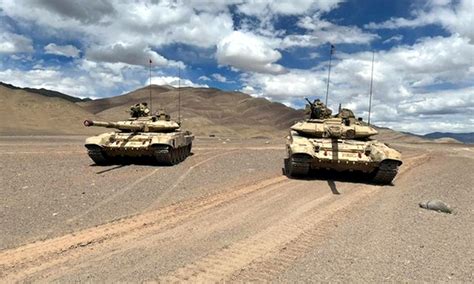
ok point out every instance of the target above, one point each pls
(296, 166)
(182, 154)
(97, 156)
(187, 151)
(174, 156)
(386, 172)
(163, 155)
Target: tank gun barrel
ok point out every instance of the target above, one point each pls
(310, 103)
(117, 125)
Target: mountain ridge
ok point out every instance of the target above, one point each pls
(46, 93)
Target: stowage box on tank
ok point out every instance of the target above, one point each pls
(341, 143)
(141, 136)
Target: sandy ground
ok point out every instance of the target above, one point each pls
(228, 214)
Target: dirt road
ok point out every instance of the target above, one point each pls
(228, 213)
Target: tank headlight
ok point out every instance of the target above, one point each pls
(316, 148)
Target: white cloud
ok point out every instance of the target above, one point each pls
(49, 79)
(248, 52)
(175, 82)
(136, 54)
(322, 32)
(204, 78)
(286, 7)
(460, 101)
(393, 39)
(14, 43)
(219, 78)
(62, 50)
(455, 17)
(106, 22)
(402, 78)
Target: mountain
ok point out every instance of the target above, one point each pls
(26, 113)
(205, 111)
(46, 93)
(463, 137)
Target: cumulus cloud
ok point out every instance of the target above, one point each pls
(49, 79)
(402, 76)
(393, 39)
(14, 43)
(204, 78)
(219, 78)
(136, 54)
(62, 50)
(322, 31)
(175, 82)
(92, 12)
(455, 17)
(286, 7)
(296, 83)
(460, 101)
(248, 52)
(108, 20)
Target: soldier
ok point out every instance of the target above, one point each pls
(145, 111)
(317, 110)
(135, 111)
(139, 110)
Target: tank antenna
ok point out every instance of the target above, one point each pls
(179, 95)
(371, 84)
(151, 102)
(329, 71)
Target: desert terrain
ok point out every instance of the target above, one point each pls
(227, 213)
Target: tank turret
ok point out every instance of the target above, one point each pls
(333, 128)
(141, 125)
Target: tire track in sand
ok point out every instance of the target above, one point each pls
(18, 263)
(261, 256)
(129, 187)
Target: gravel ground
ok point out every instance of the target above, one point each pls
(392, 239)
(227, 213)
(50, 186)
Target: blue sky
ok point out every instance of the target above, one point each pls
(424, 50)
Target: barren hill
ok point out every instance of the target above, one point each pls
(25, 113)
(46, 93)
(205, 110)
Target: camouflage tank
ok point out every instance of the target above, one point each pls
(141, 136)
(341, 143)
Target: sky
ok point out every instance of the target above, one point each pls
(423, 78)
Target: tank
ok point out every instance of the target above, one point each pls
(339, 143)
(142, 136)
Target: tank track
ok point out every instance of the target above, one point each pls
(171, 156)
(386, 172)
(295, 168)
(97, 156)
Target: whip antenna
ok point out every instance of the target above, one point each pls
(179, 95)
(151, 102)
(329, 71)
(371, 84)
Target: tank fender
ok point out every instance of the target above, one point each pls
(162, 140)
(99, 140)
(301, 149)
(381, 152)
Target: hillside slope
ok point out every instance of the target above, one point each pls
(205, 110)
(46, 93)
(462, 137)
(25, 113)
